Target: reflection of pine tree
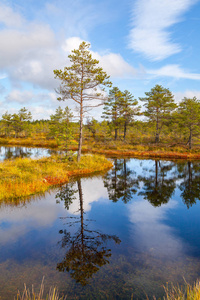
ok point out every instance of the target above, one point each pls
(14, 152)
(190, 186)
(120, 182)
(86, 252)
(66, 194)
(158, 188)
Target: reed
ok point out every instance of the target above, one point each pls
(53, 294)
(187, 292)
(24, 177)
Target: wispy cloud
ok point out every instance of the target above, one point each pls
(10, 18)
(151, 20)
(174, 71)
(188, 94)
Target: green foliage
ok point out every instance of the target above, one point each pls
(112, 108)
(188, 117)
(82, 82)
(120, 109)
(61, 126)
(6, 123)
(16, 122)
(174, 127)
(159, 103)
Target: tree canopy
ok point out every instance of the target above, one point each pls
(82, 82)
(159, 103)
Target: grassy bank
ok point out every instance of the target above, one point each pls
(25, 177)
(114, 148)
(29, 142)
(145, 151)
(147, 154)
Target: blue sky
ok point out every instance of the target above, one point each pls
(139, 43)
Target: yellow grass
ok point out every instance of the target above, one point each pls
(187, 292)
(25, 177)
(114, 148)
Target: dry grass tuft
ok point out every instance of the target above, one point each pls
(187, 292)
(24, 177)
(32, 295)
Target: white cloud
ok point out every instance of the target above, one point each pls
(150, 233)
(112, 63)
(10, 18)
(41, 111)
(36, 214)
(72, 43)
(41, 105)
(151, 21)
(31, 55)
(93, 190)
(31, 50)
(188, 94)
(2, 89)
(115, 65)
(21, 97)
(2, 76)
(20, 45)
(174, 71)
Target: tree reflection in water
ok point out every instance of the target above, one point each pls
(14, 152)
(158, 188)
(86, 250)
(190, 186)
(157, 184)
(120, 182)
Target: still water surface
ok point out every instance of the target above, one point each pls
(14, 152)
(107, 237)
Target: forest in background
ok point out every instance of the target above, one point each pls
(160, 122)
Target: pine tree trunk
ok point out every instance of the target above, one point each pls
(125, 126)
(156, 174)
(157, 132)
(115, 134)
(157, 138)
(190, 139)
(81, 210)
(80, 135)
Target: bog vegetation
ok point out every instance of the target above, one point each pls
(127, 123)
(23, 177)
(169, 127)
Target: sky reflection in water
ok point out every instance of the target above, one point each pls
(14, 152)
(128, 232)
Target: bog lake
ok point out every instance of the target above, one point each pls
(121, 235)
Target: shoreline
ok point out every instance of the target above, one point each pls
(25, 177)
(143, 151)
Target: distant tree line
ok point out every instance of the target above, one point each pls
(162, 121)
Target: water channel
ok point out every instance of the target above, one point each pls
(116, 236)
(14, 152)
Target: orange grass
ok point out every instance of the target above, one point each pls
(146, 154)
(29, 142)
(25, 177)
(114, 149)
